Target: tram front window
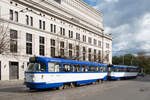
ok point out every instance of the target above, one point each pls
(37, 67)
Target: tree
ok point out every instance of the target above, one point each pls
(128, 59)
(144, 62)
(116, 60)
(4, 38)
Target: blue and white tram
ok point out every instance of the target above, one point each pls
(46, 72)
(119, 72)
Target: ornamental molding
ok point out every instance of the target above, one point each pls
(41, 8)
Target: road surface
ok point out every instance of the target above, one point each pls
(137, 89)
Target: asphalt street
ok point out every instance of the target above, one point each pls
(137, 89)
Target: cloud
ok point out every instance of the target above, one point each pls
(128, 21)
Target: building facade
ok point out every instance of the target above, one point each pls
(66, 28)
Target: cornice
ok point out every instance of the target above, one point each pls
(58, 6)
(86, 7)
(89, 7)
(53, 13)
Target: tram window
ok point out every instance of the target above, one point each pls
(104, 69)
(133, 70)
(57, 67)
(128, 70)
(84, 68)
(119, 69)
(67, 68)
(110, 69)
(91, 68)
(101, 69)
(31, 67)
(51, 67)
(115, 69)
(41, 67)
(96, 69)
(76, 68)
(125, 69)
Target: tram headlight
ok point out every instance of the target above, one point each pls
(32, 77)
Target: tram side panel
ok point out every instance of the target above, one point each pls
(56, 80)
(118, 75)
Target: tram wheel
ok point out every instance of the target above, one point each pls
(60, 88)
(72, 85)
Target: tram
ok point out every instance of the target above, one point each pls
(44, 72)
(122, 72)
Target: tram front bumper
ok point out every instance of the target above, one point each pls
(33, 85)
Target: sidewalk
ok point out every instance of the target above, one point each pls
(11, 83)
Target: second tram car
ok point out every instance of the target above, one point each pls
(122, 72)
(44, 72)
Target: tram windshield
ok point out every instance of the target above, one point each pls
(36, 67)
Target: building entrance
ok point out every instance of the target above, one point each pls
(13, 70)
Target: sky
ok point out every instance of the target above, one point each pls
(128, 21)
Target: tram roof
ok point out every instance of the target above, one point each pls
(60, 60)
(123, 66)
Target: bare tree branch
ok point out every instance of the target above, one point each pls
(4, 38)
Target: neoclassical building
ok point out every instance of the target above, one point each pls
(50, 28)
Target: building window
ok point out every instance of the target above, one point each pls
(62, 48)
(95, 55)
(62, 31)
(84, 38)
(31, 21)
(84, 53)
(107, 45)
(99, 43)
(52, 28)
(77, 52)
(28, 43)
(99, 56)
(70, 50)
(43, 25)
(11, 14)
(42, 47)
(70, 34)
(13, 41)
(40, 24)
(90, 40)
(77, 36)
(90, 55)
(16, 16)
(53, 48)
(95, 42)
(27, 20)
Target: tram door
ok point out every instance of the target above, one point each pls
(0, 70)
(109, 70)
(13, 70)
